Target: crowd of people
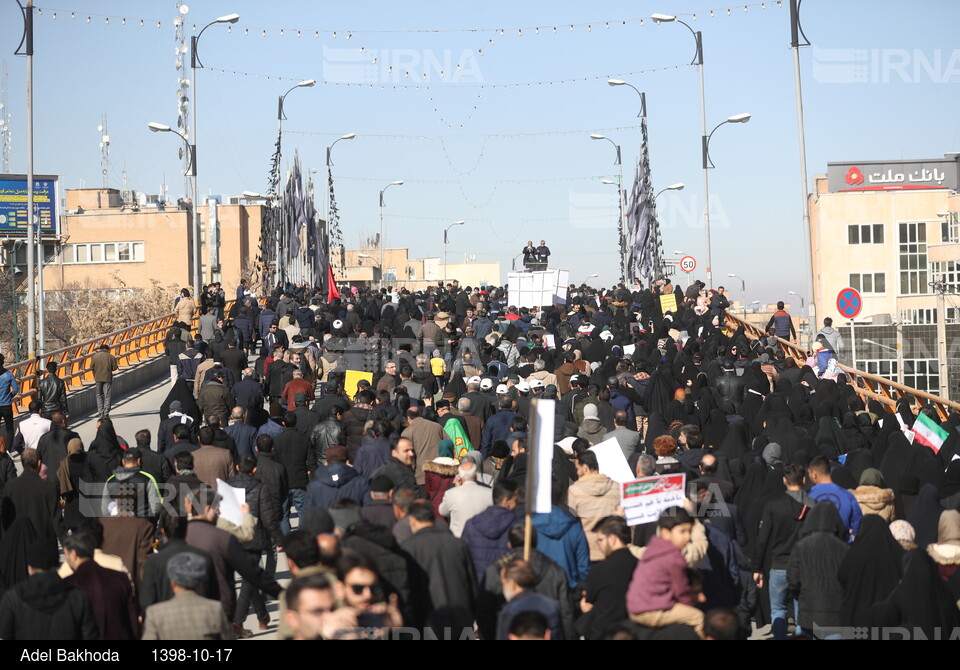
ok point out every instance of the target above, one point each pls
(380, 443)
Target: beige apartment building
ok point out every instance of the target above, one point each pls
(890, 229)
(107, 243)
(361, 268)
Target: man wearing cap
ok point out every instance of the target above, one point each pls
(186, 616)
(481, 405)
(103, 365)
(44, 607)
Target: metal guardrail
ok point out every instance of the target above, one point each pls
(129, 345)
(869, 386)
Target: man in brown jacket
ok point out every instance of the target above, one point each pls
(591, 498)
(426, 436)
(103, 364)
(210, 462)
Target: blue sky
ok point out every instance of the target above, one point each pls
(503, 159)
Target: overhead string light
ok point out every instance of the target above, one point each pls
(498, 136)
(289, 31)
(407, 75)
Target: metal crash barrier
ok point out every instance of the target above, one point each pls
(870, 387)
(129, 345)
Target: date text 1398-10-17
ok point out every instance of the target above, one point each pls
(201, 654)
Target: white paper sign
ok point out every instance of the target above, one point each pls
(231, 500)
(644, 499)
(612, 462)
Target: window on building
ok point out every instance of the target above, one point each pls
(950, 228)
(913, 258)
(949, 271)
(921, 374)
(869, 282)
(865, 233)
(102, 252)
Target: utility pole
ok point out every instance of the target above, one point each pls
(943, 366)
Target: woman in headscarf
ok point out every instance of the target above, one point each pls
(925, 515)
(874, 497)
(949, 488)
(828, 427)
(857, 461)
(922, 600)
(440, 473)
(181, 391)
(814, 566)
(906, 495)
(104, 454)
(850, 430)
(735, 444)
(870, 571)
(68, 483)
(945, 552)
(897, 457)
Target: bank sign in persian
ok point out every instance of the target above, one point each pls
(934, 173)
(644, 499)
(13, 204)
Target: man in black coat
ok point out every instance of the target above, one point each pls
(248, 392)
(234, 359)
(34, 498)
(272, 473)
(155, 585)
(150, 461)
(296, 454)
(604, 596)
(44, 607)
(442, 582)
(52, 446)
(399, 468)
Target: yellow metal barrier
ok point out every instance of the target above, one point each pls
(870, 387)
(129, 345)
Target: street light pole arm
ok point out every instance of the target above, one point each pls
(707, 163)
(698, 37)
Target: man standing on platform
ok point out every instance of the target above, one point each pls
(103, 365)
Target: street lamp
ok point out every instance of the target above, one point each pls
(194, 64)
(326, 199)
(191, 170)
(593, 276)
(707, 165)
(743, 284)
(622, 240)
(698, 61)
(306, 83)
(643, 96)
(799, 296)
(446, 240)
(398, 182)
(671, 187)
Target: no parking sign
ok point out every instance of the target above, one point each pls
(849, 303)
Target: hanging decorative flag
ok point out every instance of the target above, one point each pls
(926, 431)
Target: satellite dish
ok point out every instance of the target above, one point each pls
(100, 128)
(184, 9)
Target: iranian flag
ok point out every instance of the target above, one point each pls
(927, 432)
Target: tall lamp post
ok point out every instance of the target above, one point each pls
(618, 163)
(708, 165)
(14, 303)
(398, 182)
(306, 83)
(446, 240)
(809, 332)
(698, 61)
(194, 64)
(191, 171)
(326, 198)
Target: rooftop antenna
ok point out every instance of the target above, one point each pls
(104, 152)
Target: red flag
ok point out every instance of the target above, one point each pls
(332, 291)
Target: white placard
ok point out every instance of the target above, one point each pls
(612, 462)
(231, 498)
(540, 457)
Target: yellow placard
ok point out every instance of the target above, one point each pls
(668, 303)
(352, 379)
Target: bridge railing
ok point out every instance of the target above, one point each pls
(869, 386)
(129, 345)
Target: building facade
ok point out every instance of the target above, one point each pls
(891, 230)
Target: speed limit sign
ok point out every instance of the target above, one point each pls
(688, 264)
